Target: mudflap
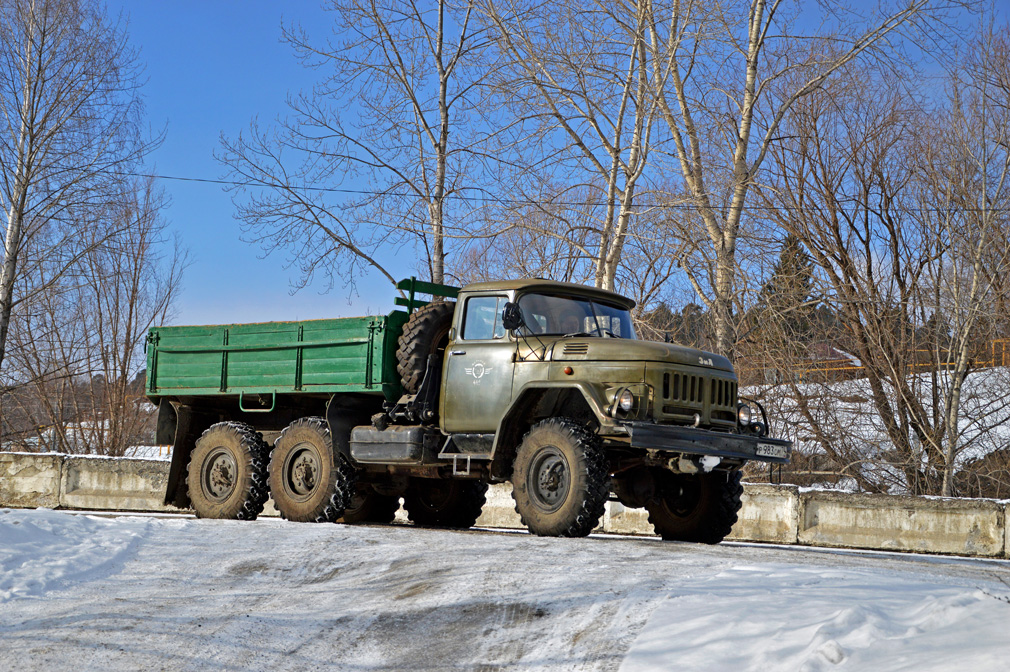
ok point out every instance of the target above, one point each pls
(182, 426)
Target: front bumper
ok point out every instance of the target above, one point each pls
(691, 441)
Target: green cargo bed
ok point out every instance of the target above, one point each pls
(351, 354)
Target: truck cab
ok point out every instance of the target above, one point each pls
(578, 339)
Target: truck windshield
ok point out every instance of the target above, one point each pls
(554, 315)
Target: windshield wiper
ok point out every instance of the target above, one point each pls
(596, 320)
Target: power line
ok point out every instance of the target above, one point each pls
(492, 199)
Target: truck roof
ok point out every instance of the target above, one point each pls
(543, 285)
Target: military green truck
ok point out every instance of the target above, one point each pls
(536, 382)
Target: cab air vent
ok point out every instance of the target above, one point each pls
(575, 349)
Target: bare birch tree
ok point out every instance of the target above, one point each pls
(78, 352)
(734, 77)
(520, 249)
(394, 126)
(580, 77)
(70, 111)
(964, 199)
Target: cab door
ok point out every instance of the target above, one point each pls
(477, 377)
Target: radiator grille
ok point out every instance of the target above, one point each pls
(685, 394)
(683, 387)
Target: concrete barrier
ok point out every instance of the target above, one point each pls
(900, 523)
(775, 514)
(121, 484)
(30, 480)
(769, 513)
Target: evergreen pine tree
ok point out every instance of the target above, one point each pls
(786, 299)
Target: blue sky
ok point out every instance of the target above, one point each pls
(211, 67)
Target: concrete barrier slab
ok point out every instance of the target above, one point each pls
(769, 513)
(30, 480)
(619, 519)
(121, 484)
(902, 523)
(499, 509)
(1006, 532)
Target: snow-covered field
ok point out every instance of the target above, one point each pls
(156, 593)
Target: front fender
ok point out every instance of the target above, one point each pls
(531, 404)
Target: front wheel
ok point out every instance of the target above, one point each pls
(560, 482)
(700, 508)
(226, 474)
(309, 481)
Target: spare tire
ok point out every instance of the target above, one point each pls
(426, 333)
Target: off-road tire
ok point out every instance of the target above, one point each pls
(426, 333)
(701, 508)
(435, 502)
(560, 480)
(309, 481)
(227, 474)
(368, 506)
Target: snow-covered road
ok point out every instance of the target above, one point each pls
(79, 592)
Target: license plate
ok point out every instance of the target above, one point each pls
(771, 450)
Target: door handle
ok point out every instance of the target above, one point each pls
(457, 352)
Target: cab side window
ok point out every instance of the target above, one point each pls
(482, 319)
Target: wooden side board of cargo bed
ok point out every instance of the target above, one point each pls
(351, 354)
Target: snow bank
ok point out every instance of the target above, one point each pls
(792, 618)
(46, 550)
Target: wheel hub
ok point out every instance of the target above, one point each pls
(303, 473)
(220, 475)
(549, 480)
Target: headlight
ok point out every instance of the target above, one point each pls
(626, 402)
(744, 415)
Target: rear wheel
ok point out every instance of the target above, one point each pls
(309, 481)
(560, 482)
(700, 508)
(227, 473)
(444, 503)
(368, 506)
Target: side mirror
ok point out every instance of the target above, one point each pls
(511, 316)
